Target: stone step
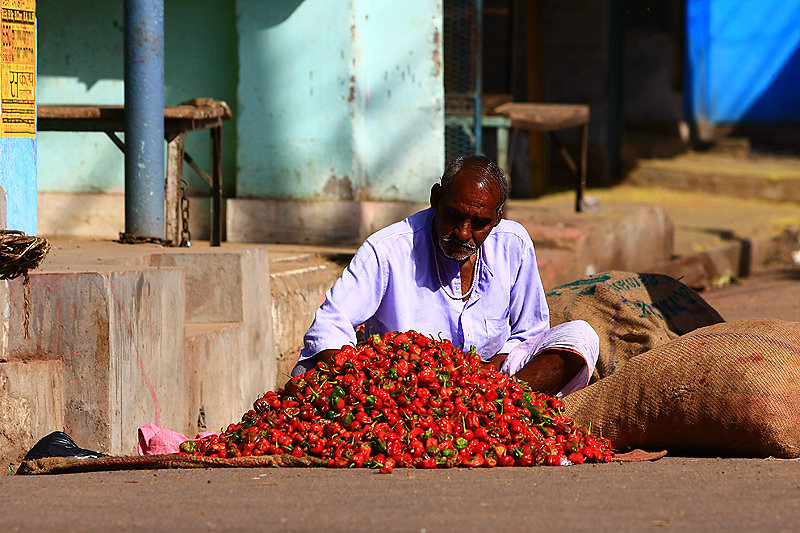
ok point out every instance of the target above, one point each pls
(298, 288)
(615, 236)
(221, 374)
(751, 176)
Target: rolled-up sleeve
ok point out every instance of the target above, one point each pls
(528, 311)
(354, 298)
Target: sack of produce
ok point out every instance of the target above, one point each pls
(631, 313)
(730, 389)
(405, 399)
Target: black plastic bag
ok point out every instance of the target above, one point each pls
(59, 444)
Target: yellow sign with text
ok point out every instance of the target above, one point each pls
(18, 68)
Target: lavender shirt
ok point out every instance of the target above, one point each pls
(391, 284)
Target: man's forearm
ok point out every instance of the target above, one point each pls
(551, 370)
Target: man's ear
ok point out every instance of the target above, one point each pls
(436, 195)
(499, 217)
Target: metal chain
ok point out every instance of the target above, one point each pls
(26, 305)
(185, 235)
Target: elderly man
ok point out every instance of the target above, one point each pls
(458, 270)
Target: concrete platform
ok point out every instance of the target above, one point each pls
(570, 245)
(717, 237)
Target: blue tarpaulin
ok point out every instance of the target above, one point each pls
(743, 61)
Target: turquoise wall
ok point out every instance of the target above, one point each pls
(294, 125)
(18, 180)
(81, 62)
(333, 99)
(339, 99)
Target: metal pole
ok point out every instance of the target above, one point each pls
(144, 118)
(478, 58)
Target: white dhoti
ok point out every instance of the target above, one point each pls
(576, 336)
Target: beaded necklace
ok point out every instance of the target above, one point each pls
(439, 275)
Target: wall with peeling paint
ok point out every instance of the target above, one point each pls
(339, 100)
(81, 62)
(332, 99)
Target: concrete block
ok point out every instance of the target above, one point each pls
(229, 365)
(617, 236)
(556, 267)
(690, 270)
(218, 383)
(258, 358)
(31, 405)
(298, 289)
(118, 335)
(146, 374)
(213, 283)
(773, 251)
(641, 236)
(700, 270)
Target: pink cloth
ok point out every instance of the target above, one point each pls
(154, 440)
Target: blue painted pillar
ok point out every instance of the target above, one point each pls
(144, 118)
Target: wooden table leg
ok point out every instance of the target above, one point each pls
(172, 207)
(216, 186)
(582, 176)
(502, 150)
(512, 148)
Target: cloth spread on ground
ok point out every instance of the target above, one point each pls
(69, 465)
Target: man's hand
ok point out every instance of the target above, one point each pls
(497, 361)
(324, 355)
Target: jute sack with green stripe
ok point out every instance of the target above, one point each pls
(631, 312)
(730, 389)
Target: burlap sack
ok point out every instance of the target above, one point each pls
(631, 313)
(730, 389)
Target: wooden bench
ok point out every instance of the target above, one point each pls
(196, 114)
(545, 118)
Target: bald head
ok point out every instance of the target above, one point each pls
(482, 170)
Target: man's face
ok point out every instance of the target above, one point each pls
(465, 214)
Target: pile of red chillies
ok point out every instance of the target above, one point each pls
(404, 399)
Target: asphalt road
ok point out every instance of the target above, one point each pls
(689, 494)
(771, 294)
(677, 493)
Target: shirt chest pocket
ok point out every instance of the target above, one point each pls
(498, 331)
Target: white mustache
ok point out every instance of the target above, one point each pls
(449, 239)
